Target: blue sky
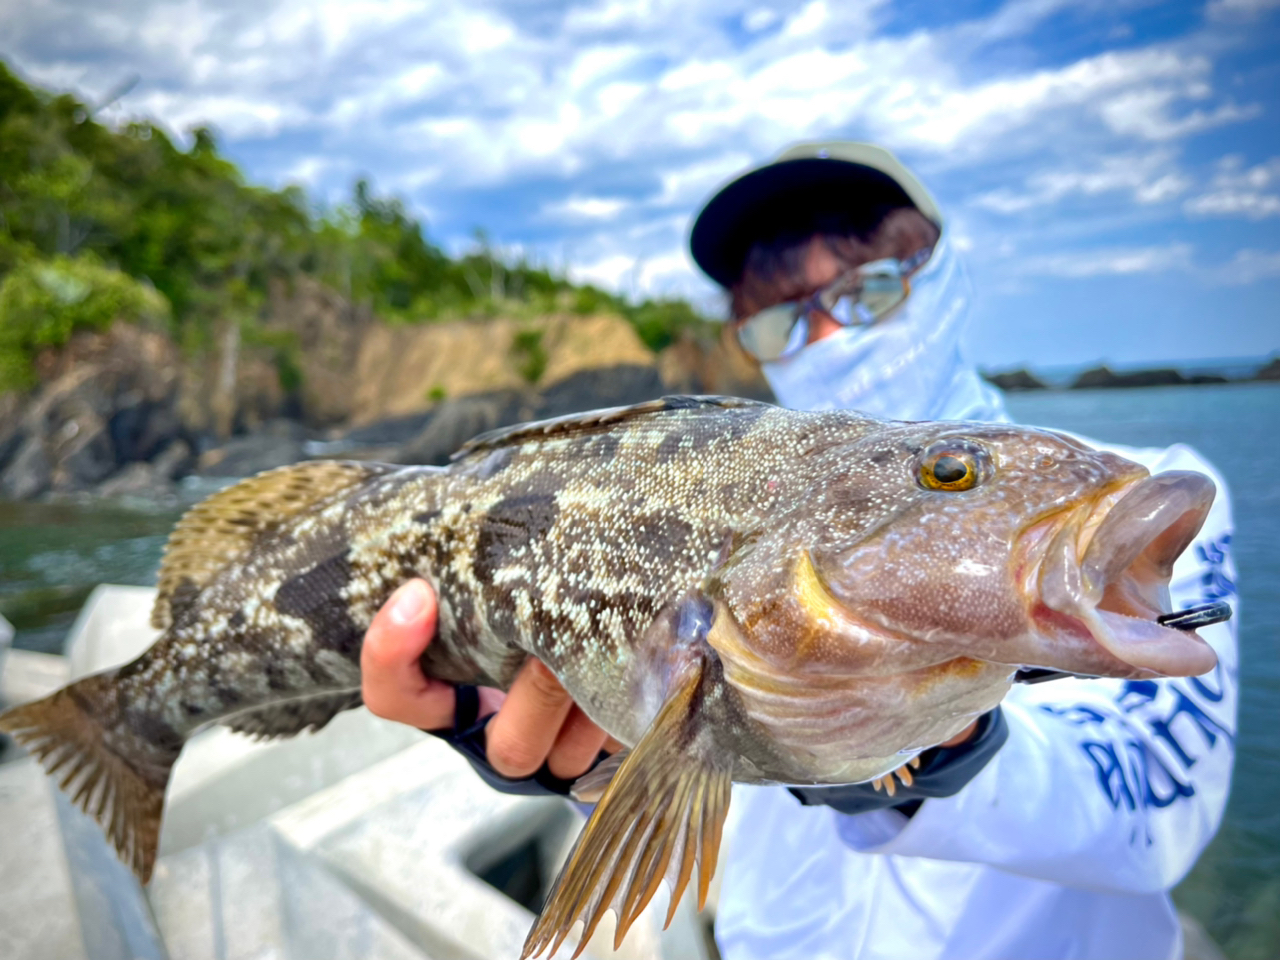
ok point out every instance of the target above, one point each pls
(1111, 169)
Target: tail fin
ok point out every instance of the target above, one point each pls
(111, 772)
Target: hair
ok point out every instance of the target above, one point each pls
(774, 267)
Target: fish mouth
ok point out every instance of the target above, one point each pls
(1105, 577)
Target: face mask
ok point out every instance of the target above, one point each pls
(909, 366)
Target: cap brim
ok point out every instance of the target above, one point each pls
(792, 197)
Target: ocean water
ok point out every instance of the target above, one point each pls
(52, 555)
(1234, 890)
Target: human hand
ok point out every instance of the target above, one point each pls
(536, 720)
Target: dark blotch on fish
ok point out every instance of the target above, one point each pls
(183, 601)
(276, 678)
(669, 538)
(606, 447)
(744, 424)
(511, 525)
(156, 731)
(669, 448)
(316, 598)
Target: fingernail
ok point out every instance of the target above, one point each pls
(408, 602)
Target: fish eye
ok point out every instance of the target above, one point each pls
(953, 466)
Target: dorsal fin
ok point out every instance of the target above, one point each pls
(217, 530)
(592, 420)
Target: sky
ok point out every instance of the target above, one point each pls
(1110, 168)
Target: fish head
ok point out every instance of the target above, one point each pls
(1003, 544)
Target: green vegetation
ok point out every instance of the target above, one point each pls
(659, 322)
(43, 300)
(530, 354)
(98, 223)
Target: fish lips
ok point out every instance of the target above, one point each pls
(1119, 585)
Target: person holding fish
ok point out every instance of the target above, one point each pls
(839, 604)
(1051, 826)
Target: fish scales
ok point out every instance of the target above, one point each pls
(732, 590)
(569, 551)
(546, 548)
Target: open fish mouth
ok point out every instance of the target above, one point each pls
(1105, 575)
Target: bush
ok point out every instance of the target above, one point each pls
(44, 301)
(530, 354)
(660, 322)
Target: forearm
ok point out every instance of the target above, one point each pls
(1087, 795)
(942, 772)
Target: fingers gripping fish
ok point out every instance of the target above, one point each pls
(733, 590)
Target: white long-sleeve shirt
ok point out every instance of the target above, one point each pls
(1064, 846)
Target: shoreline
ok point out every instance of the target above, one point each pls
(1103, 377)
(188, 466)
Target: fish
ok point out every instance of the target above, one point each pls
(734, 591)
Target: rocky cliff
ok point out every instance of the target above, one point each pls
(125, 411)
(402, 370)
(104, 400)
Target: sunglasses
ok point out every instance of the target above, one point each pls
(859, 298)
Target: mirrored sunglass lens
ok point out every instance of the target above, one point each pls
(880, 293)
(769, 334)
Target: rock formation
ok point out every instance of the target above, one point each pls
(1016, 381)
(125, 413)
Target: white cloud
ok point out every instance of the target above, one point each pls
(611, 14)
(1102, 86)
(308, 171)
(657, 101)
(808, 20)
(498, 100)
(1147, 113)
(1148, 178)
(761, 18)
(585, 208)
(599, 63)
(613, 271)
(661, 272)
(686, 185)
(1239, 9)
(1113, 262)
(1244, 267)
(1226, 203)
(1239, 191)
(1014, 19)
(232, 115)
(696, 74)
(1249, 266)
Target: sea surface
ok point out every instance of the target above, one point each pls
(52, 555)
(1234, 891)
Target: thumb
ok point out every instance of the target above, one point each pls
(392, 682)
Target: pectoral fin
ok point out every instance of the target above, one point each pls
(663, 810)
(590, 787)
(292, 717)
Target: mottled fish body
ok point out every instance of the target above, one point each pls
(733, 590)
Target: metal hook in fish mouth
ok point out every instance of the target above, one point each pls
(1192, 618)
